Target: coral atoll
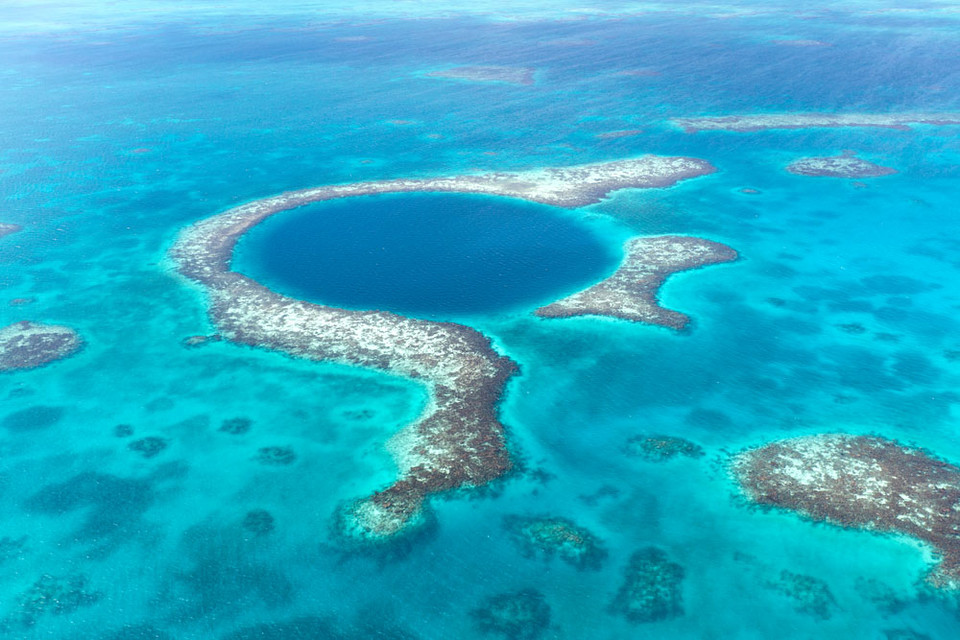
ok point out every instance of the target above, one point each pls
(651, 589)
(550, 536)
(25, 345)
(458, 442)
(862, 482)
(631, 292)
(810, 595)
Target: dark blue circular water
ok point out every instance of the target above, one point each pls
(424, 254)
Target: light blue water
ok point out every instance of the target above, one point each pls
(840, 316)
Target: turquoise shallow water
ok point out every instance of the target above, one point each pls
(841, 316)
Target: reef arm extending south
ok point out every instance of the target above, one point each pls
(631, 292)
(458, 441)
(763, 122)
(861, 482)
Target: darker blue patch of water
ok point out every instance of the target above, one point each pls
(425, 254)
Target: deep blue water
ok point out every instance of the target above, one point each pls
(425, 254)
(841, 316)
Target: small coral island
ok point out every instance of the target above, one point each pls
(459, 441)
(26, 345)
(846, 165)
(512, 75)
(812, 120)
(549, 536)
(6, 228)
(631, 292)
(862, 482)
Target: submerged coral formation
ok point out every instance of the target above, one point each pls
(25, 345)
(519, 615)
(810, 120)
(631, 292)
(276, 456)
(549, 536)
(862, 482)
(510, 75)
(458, 442)
(652, 588)
(810, 595)
(259, 522)
(7, 228)
(52, 595)
(659, 448)
(236, 426)
(148, 447)
(846, 165)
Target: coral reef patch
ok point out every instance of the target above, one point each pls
(631, 292)
(812, 120)
(862, 482)
(26, 345)
(810, 595)
(51, 595)
(552, 536)
(660, 448)
(846, 165)
(521, 76)
(148, 447)
(652, 588)
(518, 615)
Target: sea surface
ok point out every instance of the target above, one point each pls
(117, 131)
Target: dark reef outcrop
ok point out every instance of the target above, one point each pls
(652, 588)
(552, 536)
(660, 448)
(518, 615)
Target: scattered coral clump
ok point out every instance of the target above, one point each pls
(660, 448)
(276, 456)
(810, 595)
(519, 615)
(550, 536)
(259, 522)
(148, 447)
(53, 595)
(651, 589)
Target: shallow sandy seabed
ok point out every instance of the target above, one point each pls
(458, 441)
